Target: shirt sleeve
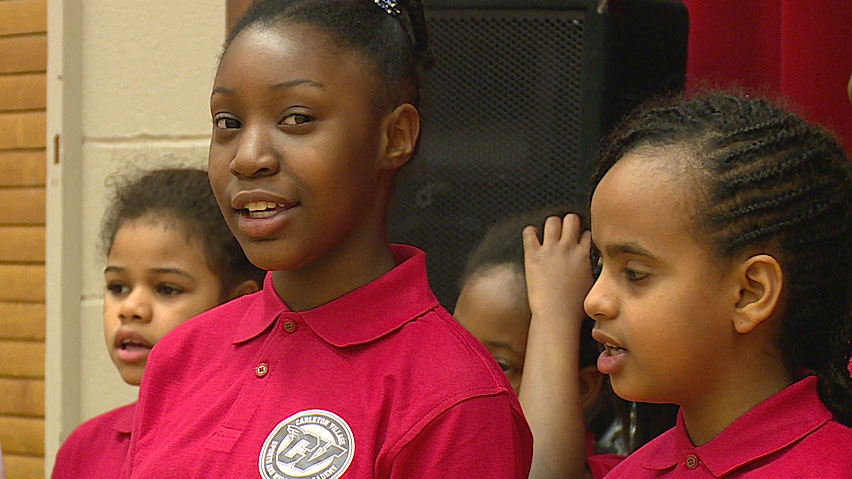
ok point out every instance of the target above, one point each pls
(480, 437)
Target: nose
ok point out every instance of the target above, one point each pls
(599, 303)
(255, 155)
(136, 306)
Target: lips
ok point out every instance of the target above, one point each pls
(613, 356)
(131, 346)
(261, 214)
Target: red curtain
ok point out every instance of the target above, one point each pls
(801, 49)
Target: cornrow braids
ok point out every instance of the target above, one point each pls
(180, 198)
(767, 179)
(396, 43)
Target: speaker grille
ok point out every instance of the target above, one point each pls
(500, 133)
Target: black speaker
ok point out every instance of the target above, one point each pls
(514, 109)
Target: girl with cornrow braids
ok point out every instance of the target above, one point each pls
(344, 364)
(722, 247)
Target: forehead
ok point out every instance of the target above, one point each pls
(649, 195)
(276, 52)
(495, 299)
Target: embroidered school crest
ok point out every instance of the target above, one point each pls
(309, 444)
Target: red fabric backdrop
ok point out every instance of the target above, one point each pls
(801, 49)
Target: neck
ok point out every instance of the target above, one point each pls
(333, 275)
(708, 414)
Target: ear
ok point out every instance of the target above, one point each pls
(402, 130)
(246, 287)
(591, 382)
(760, 284)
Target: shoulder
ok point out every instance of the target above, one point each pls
(826, 451)
(453, 354)
(101, 425)
(95, 441)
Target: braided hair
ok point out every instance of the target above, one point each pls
(766, 178)
(390, 34)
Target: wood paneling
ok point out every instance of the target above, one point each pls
(22, 244)
(22, 130)
(23, 16)
(22, 206)
(23, 168)
(23, 92)
(22, 283)
(21, 359)
(24, 467)
(22, 321)
(23, 54)
(21, 435)
(22, 397)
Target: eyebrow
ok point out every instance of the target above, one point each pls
(166, 270)
(629, 247)
(285, 84)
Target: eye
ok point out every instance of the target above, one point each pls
(296, 119)
(169, 290)
(596, 262)
(116, 288)
(505, 366)
(226, 123)
(634, 276)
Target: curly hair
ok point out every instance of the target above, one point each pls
(765, 176)
(181, 198)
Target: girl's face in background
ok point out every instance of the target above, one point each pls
(156, 278)
(293, 155)
(493, 306)
(660, 300)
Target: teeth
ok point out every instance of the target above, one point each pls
(261, 206)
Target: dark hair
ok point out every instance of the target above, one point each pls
(182, 198)
(397, 44)
(767, 179)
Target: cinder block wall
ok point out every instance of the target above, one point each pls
(142, 100)
(23, 61)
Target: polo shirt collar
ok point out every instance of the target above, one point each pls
(360, 316)
(779, 421)
(124, 422)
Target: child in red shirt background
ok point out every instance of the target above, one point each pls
(170, 256)
(722, 238)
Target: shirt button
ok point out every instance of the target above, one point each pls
(289, 326)
(691, 461)
(261, 370)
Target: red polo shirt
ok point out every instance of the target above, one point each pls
(97, 448)
(789, 435)
(381, 382)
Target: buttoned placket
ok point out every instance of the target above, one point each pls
(277, 342)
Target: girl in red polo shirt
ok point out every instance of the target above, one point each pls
(170, 256)
(722, 239)
(344, 364)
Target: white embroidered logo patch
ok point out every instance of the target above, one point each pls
(309, 444)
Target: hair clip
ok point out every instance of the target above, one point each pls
(390, 6)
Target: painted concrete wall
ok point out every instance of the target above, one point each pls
(144, 75)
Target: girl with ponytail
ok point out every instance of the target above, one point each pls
(344, 364)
